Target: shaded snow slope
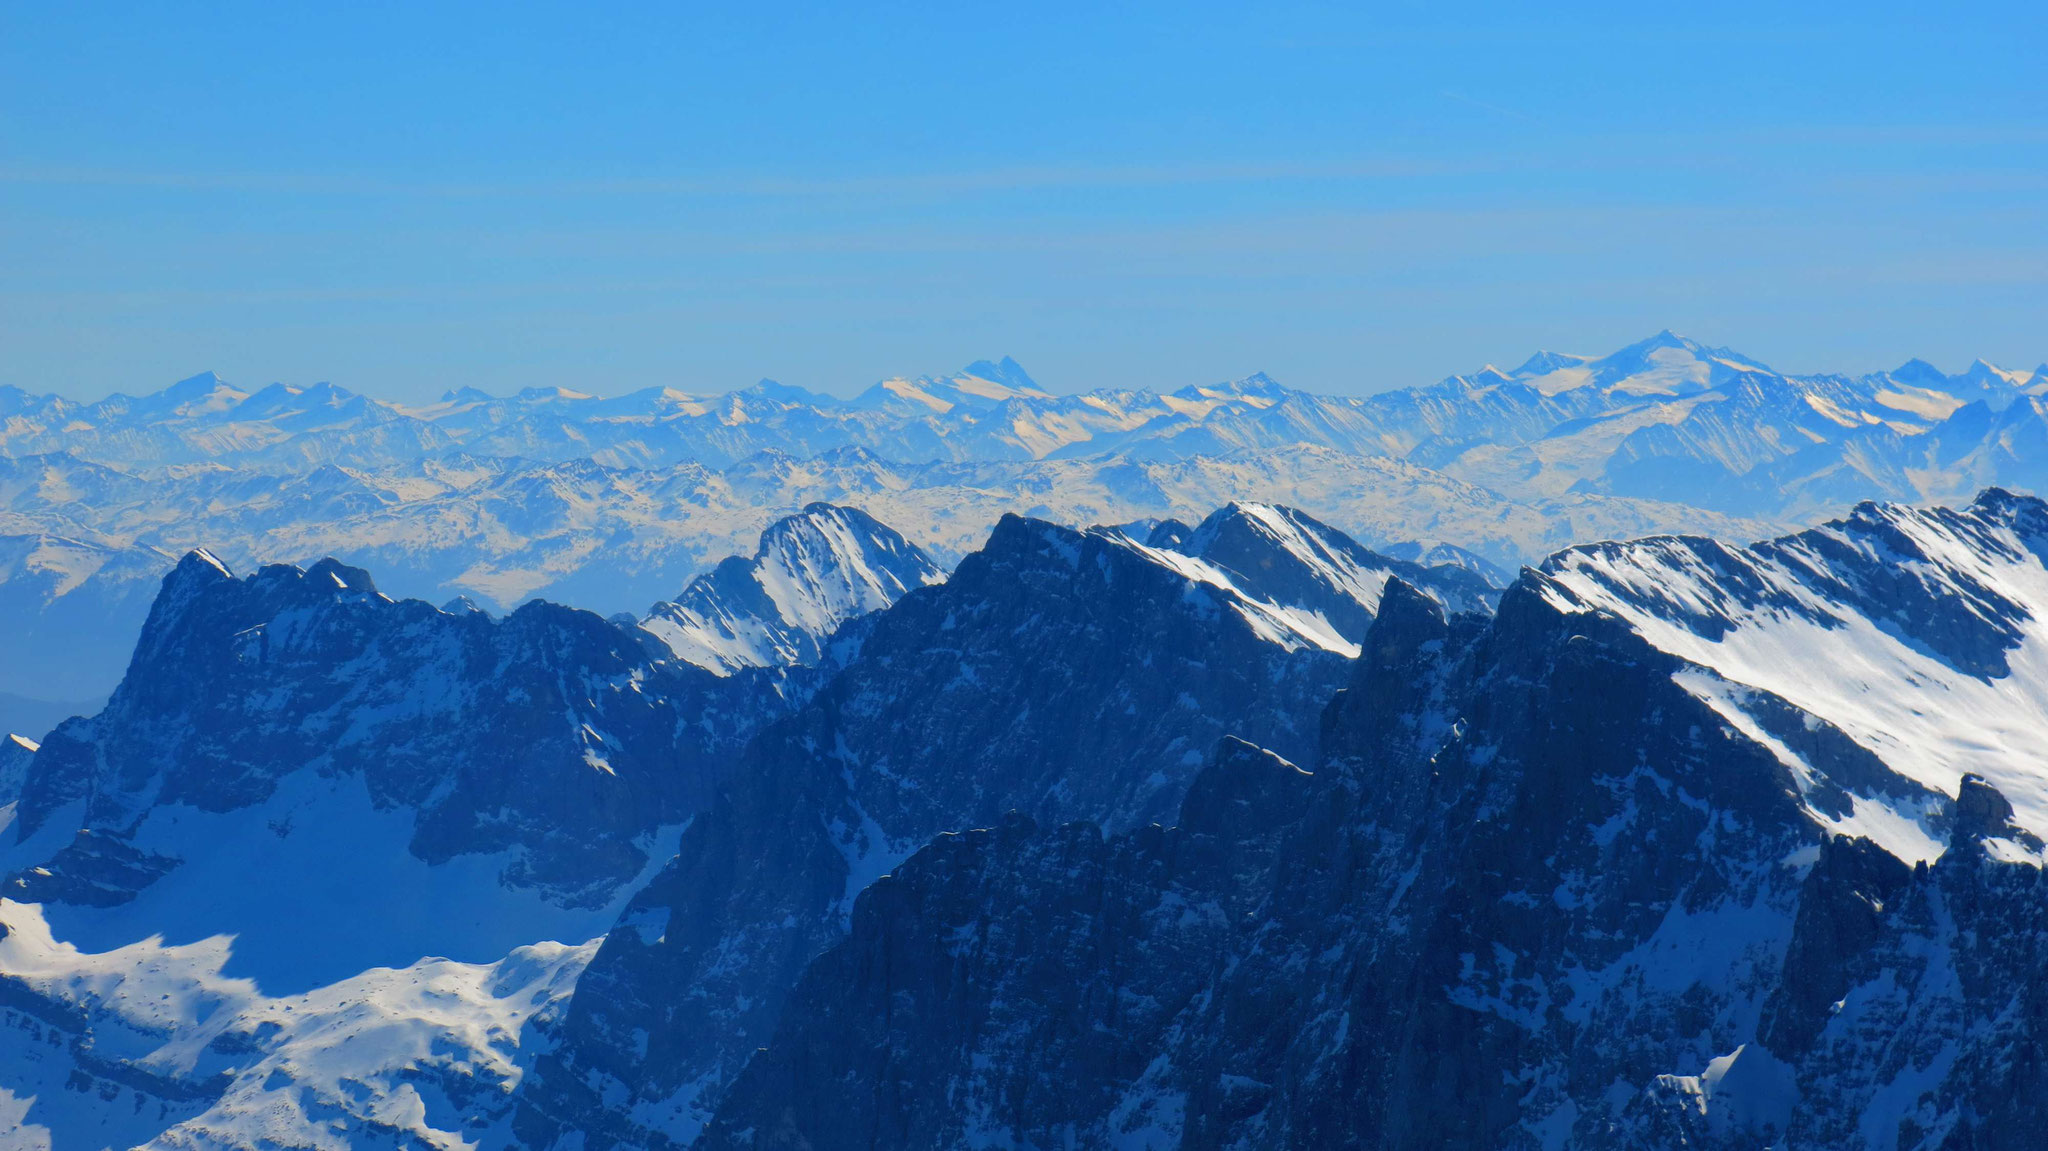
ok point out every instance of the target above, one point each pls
(71, 602)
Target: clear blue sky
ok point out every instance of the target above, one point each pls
(1351, 197)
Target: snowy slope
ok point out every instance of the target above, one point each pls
(153, 1044)
(814, 572)
(1293, 626)
(1920, 633)
(315, 884)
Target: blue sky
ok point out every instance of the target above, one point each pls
(1350, 197)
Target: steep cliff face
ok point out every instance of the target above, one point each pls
(1462, 893)
(1057, 672)
(1547, 887)
(16, 751)
(1031, 974)
(296, 730)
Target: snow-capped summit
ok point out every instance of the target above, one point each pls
(813, 573)
(1545, 362)
(981, 385)
(1915, 633)
(1666, 364)
(1285, 556)
(202, 394)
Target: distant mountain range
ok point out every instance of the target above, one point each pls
(1620, 753)
(1658, 419)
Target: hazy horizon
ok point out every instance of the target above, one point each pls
(844, 390)
(406, 202)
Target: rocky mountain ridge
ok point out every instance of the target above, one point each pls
(300, 716)
(502, 532)
(1056, 671)
(306, 791)
(1544, 888)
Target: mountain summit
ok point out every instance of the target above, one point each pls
(814, 572)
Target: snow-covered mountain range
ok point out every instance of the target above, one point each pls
(1628, 423)
(305, 792)
(1283, 842)
(964, 764)
(616, 503)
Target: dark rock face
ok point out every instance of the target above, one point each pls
(1912, 1003)
(1057, 673)
(1535, 895)
(551, 732)
(1032, 1016)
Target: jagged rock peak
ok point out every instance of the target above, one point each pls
(200, 564)
(1290, 557)
(1982, 812)
(1407, 619)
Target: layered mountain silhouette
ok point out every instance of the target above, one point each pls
(1057, 780)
